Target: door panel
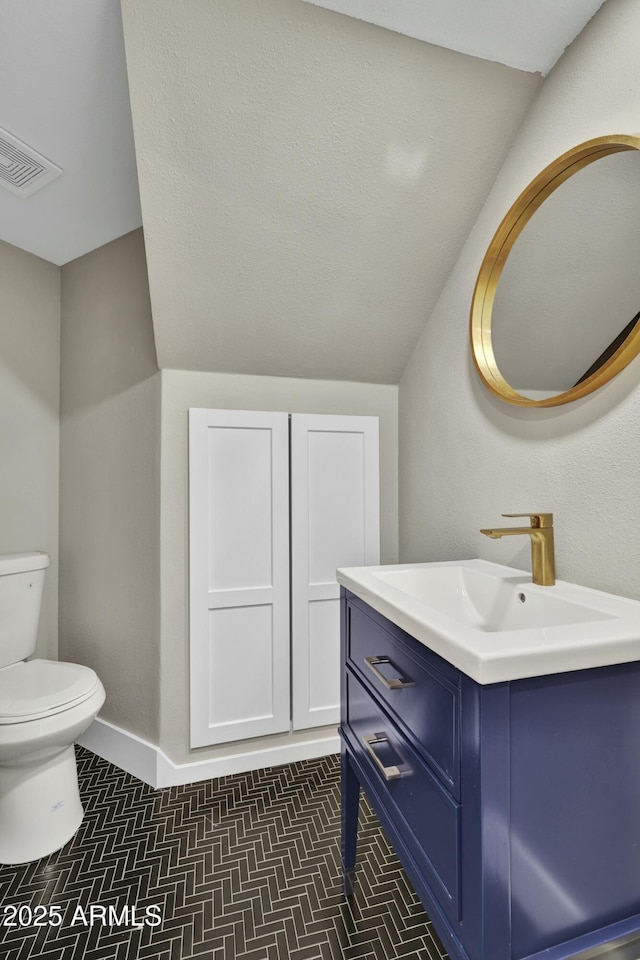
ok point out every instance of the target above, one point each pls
(241, 661)
(240, 508)
(239, 574)
(334, 523)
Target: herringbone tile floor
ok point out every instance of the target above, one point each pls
(241, 868)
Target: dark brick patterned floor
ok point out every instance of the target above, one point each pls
(246, 867)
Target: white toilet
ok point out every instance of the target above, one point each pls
(45, 706)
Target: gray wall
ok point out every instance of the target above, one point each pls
(29, 419)
(109, 480)
(123, 503)
(465, 457)
(183, 389)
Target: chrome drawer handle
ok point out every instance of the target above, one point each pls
(389, 773)
(396, 683)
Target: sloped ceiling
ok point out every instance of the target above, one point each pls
(520, 33)
(63, 91)
(307, 181)
(309, 178)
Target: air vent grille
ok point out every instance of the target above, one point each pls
(22, 169)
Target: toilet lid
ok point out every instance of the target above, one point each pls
(40, 686)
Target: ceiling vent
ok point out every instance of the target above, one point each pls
(22, 169)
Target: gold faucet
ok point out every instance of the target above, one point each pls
(543, 565)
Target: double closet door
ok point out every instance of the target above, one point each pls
(277, 502)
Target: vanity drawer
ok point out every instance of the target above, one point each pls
(417, 802)
(424, 702)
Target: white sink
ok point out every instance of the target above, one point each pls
(486, 600)
(493, 623)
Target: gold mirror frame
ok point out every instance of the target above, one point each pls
(495, 258)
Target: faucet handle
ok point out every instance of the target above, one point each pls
(537, 519)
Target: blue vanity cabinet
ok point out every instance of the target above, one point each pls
(514, 807)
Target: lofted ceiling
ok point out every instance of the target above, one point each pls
(63, 91)
(526, 34)
(307, 179)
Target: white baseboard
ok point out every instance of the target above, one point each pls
(150, 764)
(124, 749)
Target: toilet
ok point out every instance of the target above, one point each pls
(45, 706)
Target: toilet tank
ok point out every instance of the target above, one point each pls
(21, 583)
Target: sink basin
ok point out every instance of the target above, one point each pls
(487, 601)
(494, 624)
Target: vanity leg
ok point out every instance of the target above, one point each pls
(350, 802)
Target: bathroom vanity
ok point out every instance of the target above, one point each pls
(495, 729)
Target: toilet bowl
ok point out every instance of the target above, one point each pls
(45, 706)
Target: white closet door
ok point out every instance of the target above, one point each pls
(239, 574)
(335, 522)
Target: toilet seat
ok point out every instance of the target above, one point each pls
(34, 689)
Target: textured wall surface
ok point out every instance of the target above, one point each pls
(109, 480)
(29, 419)
(466, 457)
(307, 181)
(181, 390)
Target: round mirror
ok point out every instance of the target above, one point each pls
(557, 301)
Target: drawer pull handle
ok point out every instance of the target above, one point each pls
(389, 773)
(396, 683)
